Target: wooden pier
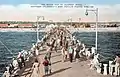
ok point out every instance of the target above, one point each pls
(79, 68)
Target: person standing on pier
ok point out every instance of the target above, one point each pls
(61, 38)
(35, 68)
(74, 53)
(19, 60)
(52, 43)
(36, 51)
(70, 53)
(23, 61)
(6, 73)
(11, 68)
(46, 65)
(48, 56)
(58, 42)
(77, 51)
(63, 54)
(66, 53)
(55, 45)
(15, 63)
(33, 49)
(66, 44)
(117, 65)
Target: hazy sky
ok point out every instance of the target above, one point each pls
(109, 10)
(16, 2)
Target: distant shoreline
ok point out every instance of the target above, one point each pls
(19, 30)
(113, 29)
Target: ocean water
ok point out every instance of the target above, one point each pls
(108, 43)
(16, 41)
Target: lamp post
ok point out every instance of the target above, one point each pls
(79, 21)
(38, 17)
(96, 14)
(70, 19)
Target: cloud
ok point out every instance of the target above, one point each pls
(24, 12)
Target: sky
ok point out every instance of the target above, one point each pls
(21, 10)
(16, 2)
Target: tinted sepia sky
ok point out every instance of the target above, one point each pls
(21, 10)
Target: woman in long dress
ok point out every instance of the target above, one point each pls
(35, 69)
(63, 54)
(117, 65)
(6, 73)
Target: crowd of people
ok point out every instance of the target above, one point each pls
(17, 64)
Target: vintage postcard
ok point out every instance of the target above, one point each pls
(59, 38)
